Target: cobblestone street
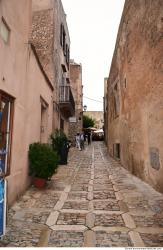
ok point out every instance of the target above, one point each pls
(92, 201)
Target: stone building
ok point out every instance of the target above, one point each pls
(135, 92)
(76, 122)
(26, 104)
(51, 39)
(98, 117)
(105, 110)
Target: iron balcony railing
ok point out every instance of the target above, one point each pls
(65, 96)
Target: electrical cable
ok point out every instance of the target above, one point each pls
(92, 99)
(86, 96)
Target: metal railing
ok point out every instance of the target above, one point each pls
(65, 95)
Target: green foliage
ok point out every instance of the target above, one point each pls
(43, 161)
(88, 122)
(58, 139)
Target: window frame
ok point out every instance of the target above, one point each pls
(11, 100)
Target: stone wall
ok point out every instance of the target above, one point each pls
(22, 78)
(48, 15)
(59, 60)
(43, 37)
(74, 128)
(135, 90)
(105, 111)
(77, 91)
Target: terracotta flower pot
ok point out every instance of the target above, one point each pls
(39, 182)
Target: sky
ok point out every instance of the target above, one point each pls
(93, 27)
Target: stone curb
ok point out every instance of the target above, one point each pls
(129, 222)
(89, 239)
(74, 211)
(52, 219)
(44, 238)
(90, 196)
(90, 220)
(118, 196)
(136, 239)
(110, 229)
(149, 230)
(77, 228)
(107, 212)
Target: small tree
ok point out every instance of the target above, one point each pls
(43, 161)
(88, 121)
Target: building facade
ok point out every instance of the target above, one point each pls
(26, 104)
(97, 116)
(105, 110)
(135, 92)
(76, 121)
(51, 38)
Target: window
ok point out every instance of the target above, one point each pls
(61, 34)
(62, 124)
(116, 150)
(64, 42)
(125, 83)
(4, 31)
(115, 107)
(116, 87)
(67, 54)
(63, 39)
(63, 79)
(116, 101)
(6, 114)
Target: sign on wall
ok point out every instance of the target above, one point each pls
(72, 119)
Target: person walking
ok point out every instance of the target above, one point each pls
(82, 141)
(78, 141)
(89, 138)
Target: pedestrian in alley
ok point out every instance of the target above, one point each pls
(82, 141)
(89, 138)
(78, 142)
(85, 136)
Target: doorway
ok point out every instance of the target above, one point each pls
(6, 114)
(117, 151)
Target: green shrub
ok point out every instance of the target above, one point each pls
(43, 161)
(58, 139)
(88, 121)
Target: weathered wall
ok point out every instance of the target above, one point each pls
(77, 91)
(42, 38)
(136, 86)
(13, 59)
(105, 110)
(39, 5)
(47, 18)
(58, 54)
(21, 77)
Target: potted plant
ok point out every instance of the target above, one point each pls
(43, 162)
(60, 144)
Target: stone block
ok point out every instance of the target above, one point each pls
(155, 158)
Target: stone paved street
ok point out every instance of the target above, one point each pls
(92, 201)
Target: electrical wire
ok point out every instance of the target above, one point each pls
(86, 96)
(92, 99)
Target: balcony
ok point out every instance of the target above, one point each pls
(66, 101)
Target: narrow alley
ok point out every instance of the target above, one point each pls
(92, 201)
